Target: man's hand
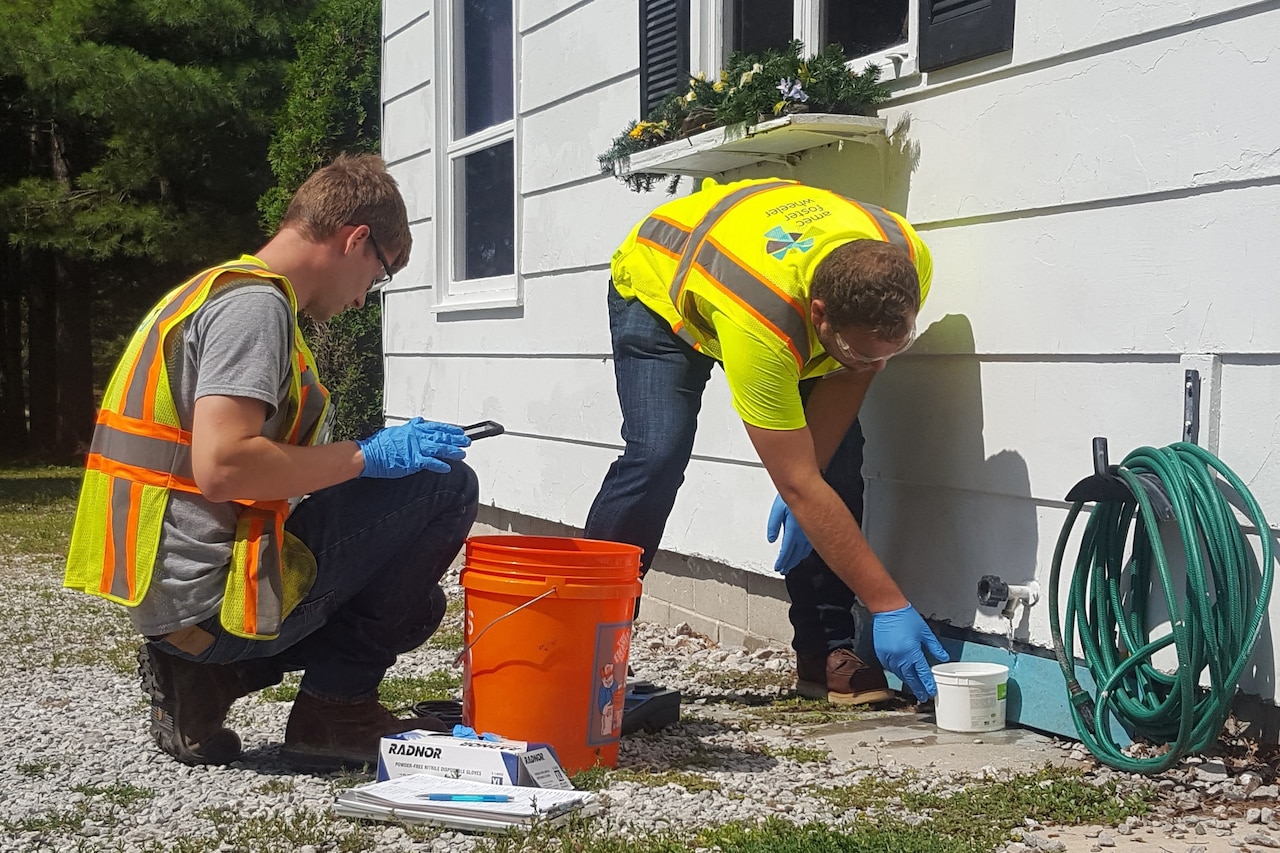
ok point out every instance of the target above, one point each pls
(414, 446)
(899, 636)
(795, 545)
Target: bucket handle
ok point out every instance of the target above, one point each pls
(458, 660)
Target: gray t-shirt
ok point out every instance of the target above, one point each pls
(238, 344)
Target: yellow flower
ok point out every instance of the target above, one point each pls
(691, 97)
(718, 86)
(637, 131)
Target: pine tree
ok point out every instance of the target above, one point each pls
(333, 106)
(134, 138)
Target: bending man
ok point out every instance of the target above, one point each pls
(802, 296)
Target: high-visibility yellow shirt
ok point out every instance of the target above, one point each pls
(729, 267)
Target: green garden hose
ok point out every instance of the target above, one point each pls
(1214, 620)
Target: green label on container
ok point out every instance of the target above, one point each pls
(1001, 689)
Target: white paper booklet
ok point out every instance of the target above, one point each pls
(407, 798)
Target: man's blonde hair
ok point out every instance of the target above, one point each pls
(355, 189)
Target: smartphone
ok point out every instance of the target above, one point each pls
(484, 429)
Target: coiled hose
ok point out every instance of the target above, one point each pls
(1215, 619)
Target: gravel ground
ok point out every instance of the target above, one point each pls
(79, 772)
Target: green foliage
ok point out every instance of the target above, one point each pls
(751, 88)
(135, 136)
(37, 509)
(285, 691)
(348, 351)
(159, 113)
(983, 814)
(401, 694)
(332, 106)
(332, 102)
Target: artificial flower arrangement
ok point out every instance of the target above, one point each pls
(751, 88)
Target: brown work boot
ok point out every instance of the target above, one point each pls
(189, 703)
(324, 735)
(841, 678)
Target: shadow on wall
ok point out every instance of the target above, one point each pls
(875, 173)
(940, 512)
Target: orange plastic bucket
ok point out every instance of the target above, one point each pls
(548, 631)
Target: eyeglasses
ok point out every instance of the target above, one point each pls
(382, 259)
(858, 358)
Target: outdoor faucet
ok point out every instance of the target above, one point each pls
(993, 592)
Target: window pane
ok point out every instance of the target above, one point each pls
(759, 25)
(864, 27)
(485, 191)
(483, 70)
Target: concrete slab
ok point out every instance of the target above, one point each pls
(912, 740)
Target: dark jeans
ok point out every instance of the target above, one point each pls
(381, 547)
(660, 382)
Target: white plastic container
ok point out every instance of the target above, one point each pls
(971, 696)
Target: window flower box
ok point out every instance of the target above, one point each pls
(772, 140)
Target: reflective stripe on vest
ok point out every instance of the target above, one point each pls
(890, 229)
(772, 307)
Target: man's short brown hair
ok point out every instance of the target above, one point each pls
(355, 189)
(869, 284)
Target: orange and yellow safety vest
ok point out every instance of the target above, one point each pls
(750, 248)
(141, 454)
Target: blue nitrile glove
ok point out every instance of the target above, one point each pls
(898, 636)
(795, 545)
(467, 733)
(411, 447)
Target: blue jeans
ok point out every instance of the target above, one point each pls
(660, 382)
(381, 547)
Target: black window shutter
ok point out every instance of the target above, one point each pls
(953, 31)
(664, 50)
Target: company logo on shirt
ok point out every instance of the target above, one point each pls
(778, 242)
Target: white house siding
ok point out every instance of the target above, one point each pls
(1100, 206)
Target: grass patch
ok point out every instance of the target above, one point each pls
(277, 833)
(799, 711)
(281, 785)
(398, 694)
(401, 694)
(691, 782)
(449, 635)
(121, 655)
(60, 822)
(798, 754)
(600, 777)
(119, 794)
(754, 681)
(285, 691)
(105, 804)
(37, 508)
(36, 769)
(770, 836)
(981, 815)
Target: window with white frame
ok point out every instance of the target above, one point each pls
(477, 204)
(880, 32)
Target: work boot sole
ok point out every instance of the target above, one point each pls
(811, 690)
(154, 671)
